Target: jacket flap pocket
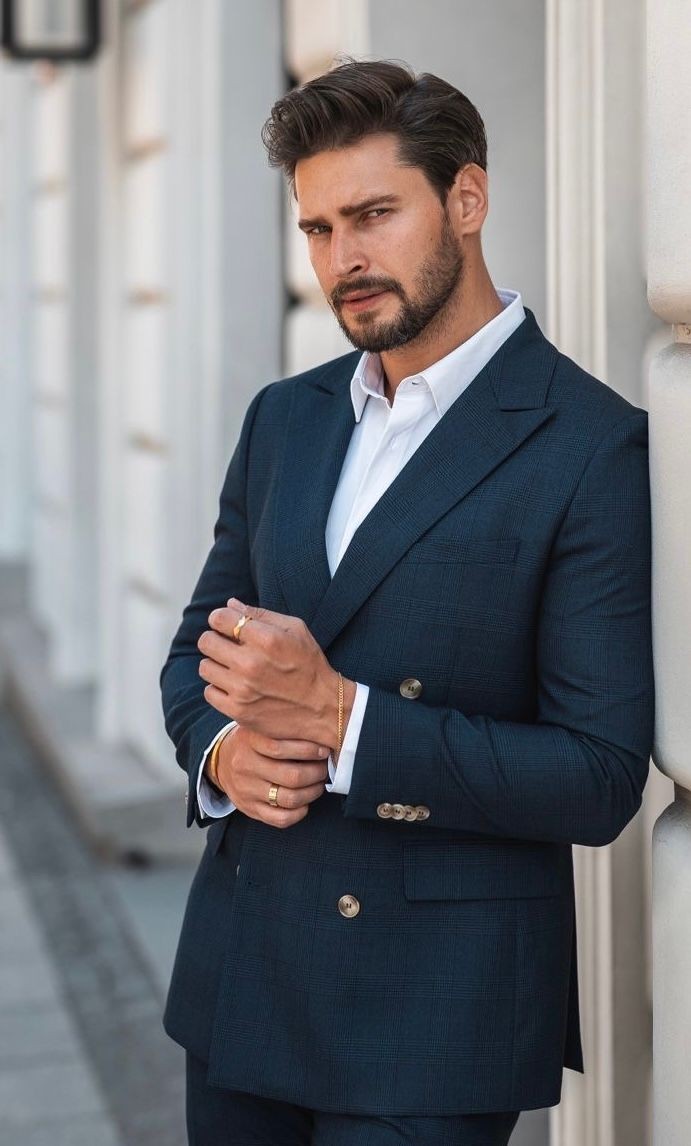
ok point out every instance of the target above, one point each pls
(481, 870)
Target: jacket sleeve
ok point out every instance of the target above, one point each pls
(576, 774)
(190, 721)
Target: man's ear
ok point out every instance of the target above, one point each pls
(467, 201)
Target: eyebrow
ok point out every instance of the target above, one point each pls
(351, 209)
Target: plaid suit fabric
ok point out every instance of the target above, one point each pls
(256, 1121)
(507, 568)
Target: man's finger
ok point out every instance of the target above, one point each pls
(288, 749)
(298, 797)
(294, 774)
(224, 621)
(266, 616)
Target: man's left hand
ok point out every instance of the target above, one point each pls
(276, 680)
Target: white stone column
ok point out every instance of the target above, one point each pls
(669, 294)
(63, 367)
(190, 293)
(598, 315)
(16, 466)
(317, 31)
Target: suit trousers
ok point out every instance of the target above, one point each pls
(219, 1117)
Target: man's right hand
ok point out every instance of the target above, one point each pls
(249, 763)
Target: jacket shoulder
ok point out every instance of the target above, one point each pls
(588, 409)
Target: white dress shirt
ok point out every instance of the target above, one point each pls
(384, 437)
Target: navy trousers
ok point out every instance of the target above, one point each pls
(218, 1117)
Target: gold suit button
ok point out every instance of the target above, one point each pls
(398, 811)
(423, 812)
(410, 813)
(410, 688)
(384, 811)
(349, 906)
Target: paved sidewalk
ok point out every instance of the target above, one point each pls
(84, 1060)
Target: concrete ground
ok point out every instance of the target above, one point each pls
(85, 956)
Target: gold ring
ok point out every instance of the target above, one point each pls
(240, 625)
(273, 796)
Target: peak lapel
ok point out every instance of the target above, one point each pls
(494, 415)
(319, 428)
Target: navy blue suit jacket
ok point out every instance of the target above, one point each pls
(506, 568)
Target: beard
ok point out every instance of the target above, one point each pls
(420, 313)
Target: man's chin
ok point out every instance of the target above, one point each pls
(373, 338)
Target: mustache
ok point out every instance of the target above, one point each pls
(338, 293)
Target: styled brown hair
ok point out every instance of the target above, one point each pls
(438, 129)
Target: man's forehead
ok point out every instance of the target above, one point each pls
(364, 167)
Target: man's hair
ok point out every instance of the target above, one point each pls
(438, 129)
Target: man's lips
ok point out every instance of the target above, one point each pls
(362, 299)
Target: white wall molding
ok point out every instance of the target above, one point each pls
(669, 388)
(596, 314)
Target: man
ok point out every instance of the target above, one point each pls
(415, 669)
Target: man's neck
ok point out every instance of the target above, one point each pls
(473, 310)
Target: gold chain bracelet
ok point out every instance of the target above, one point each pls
(340, 714)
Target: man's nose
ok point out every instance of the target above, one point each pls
(345, 255)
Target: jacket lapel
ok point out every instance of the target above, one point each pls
(319, 428)
(495, 414)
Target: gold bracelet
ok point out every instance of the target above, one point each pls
(340, 714)
(211, 770)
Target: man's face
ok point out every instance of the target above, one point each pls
(381, 243)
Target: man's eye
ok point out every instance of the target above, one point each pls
(318, 229)
(377, 211)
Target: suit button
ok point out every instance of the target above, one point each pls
(410, 813)
(398, 811)
(348, 906)
(384, 811)
(423, 812)
(410, 688)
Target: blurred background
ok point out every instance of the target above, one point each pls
(152, 280)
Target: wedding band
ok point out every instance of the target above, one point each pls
(273, 796)
(240, 625)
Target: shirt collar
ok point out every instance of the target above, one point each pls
(447, 378)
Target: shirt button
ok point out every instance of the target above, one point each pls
(349, 906)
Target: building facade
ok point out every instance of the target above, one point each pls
(152, 280)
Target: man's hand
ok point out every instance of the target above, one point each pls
(276, 680)
(249, 763)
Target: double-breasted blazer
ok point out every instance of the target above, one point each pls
(367, 963)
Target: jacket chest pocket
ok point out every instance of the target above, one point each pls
(444, 549)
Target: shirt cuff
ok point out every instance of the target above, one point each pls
(210, 803)
(342, 773)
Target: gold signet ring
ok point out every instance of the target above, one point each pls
(273, 796)
(240, 625)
